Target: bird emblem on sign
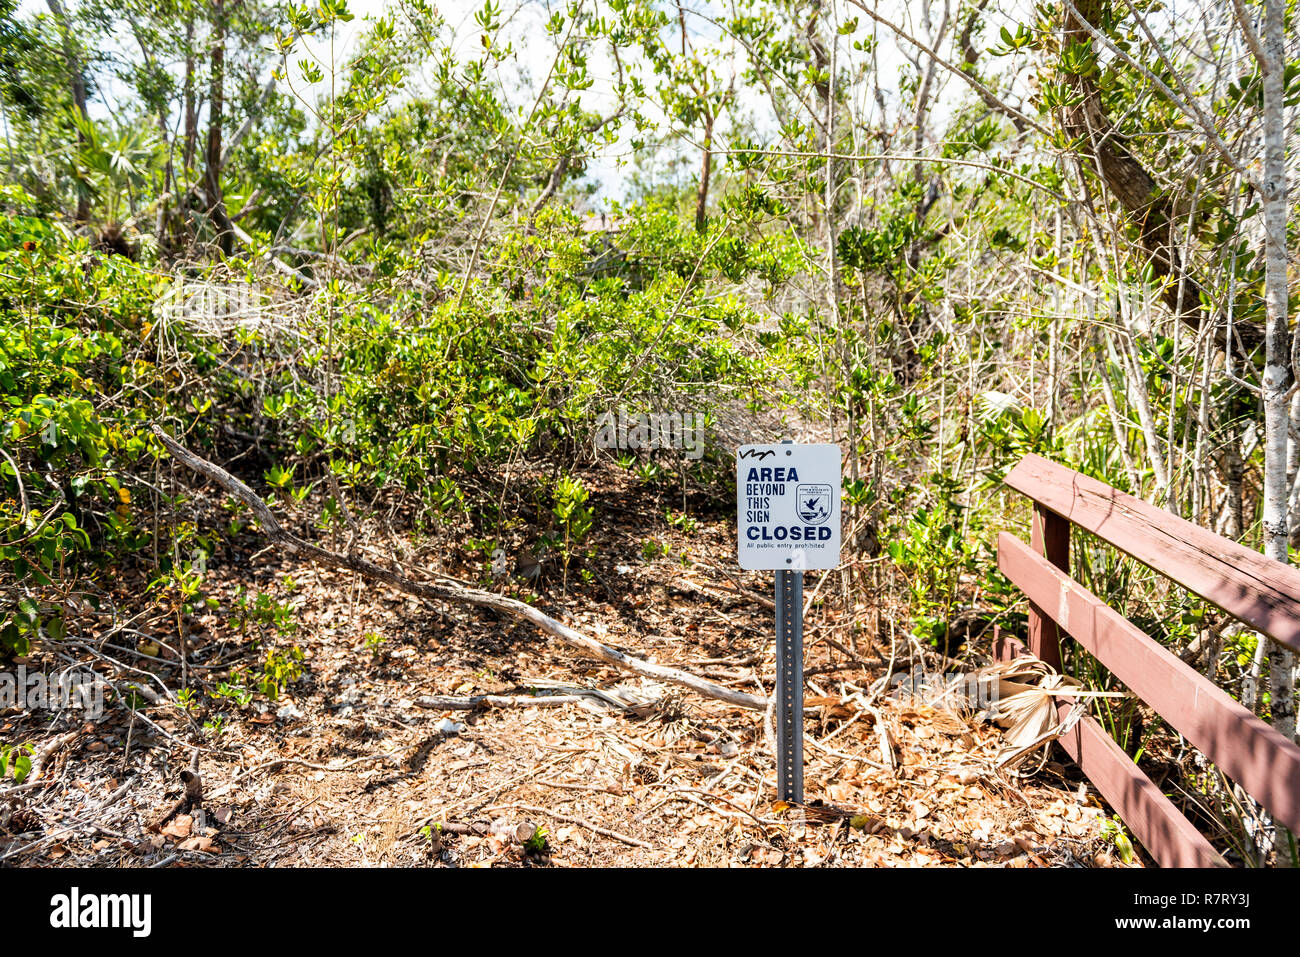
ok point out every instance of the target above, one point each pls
(813, 503)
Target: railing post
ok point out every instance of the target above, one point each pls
(1051, 539)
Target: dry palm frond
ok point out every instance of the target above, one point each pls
(1024, 692)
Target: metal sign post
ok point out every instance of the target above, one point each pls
(789, 685)
(788, 520)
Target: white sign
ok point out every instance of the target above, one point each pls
(788, 506)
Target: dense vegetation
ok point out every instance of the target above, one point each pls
(382, 279)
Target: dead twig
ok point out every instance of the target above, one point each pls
(569, 819)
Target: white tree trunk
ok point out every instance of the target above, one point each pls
(1277, 360)
(1293, 470)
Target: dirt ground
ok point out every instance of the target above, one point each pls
(348, 766)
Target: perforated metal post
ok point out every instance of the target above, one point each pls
(789, 685)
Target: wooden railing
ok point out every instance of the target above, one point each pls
(1260, 592)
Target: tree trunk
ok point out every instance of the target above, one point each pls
(78, 89)
(216, 97)
(1293, 471)
(1233, 525)
(1278, 374)
(706, 170)
(191, 107)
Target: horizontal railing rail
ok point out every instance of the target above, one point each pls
(1263, 593)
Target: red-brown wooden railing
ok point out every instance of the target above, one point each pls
(1260, 592)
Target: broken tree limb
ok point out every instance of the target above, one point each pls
(457, 594)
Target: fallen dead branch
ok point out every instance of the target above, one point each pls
(457, 594)
(618, 792)
(696, 796)
(46, 751)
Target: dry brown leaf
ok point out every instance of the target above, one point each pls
(841, 791)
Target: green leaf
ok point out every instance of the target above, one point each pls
(1124, 846)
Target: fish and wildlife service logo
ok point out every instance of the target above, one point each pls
(813, 503)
